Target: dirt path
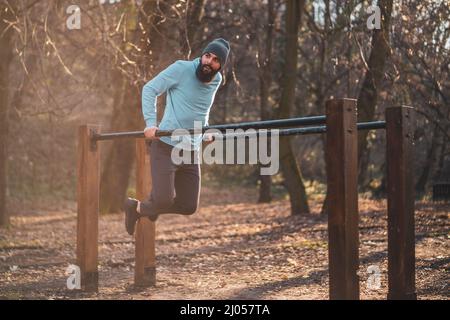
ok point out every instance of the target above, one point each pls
(231, 248)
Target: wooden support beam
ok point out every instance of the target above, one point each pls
(400, 186)
(88, 188)
(342, 179)
(145, 265)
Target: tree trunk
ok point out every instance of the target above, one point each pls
(291, 171)
(429, 161)
(194, 16)
(126, 117)
(265, 81)
(6, 55)
(120, 159)
(367, 98)
(443, 152)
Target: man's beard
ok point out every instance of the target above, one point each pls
(205, 74)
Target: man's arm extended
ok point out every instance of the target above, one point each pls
(166, 79)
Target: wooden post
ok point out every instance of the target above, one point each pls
(88, 206)
(400, 185)
(342, 181)
(145, 265)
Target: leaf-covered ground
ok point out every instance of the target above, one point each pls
(231, 248)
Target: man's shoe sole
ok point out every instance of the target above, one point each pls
(130, 209)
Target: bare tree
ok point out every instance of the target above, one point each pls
(264, 63)
(367, 99)
(7, 17)
(291, 171)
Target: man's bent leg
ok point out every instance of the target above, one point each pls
(187, 186)
(163, 180)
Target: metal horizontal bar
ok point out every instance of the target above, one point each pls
(118, 135)
(282, 132)
(270, 133)
(371, 125)
(268, 124)
(302, 131)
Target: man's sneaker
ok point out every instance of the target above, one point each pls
(153, 217)
(131, 215)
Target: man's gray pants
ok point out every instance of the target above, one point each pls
(175, 187)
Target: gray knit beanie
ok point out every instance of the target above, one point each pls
(220, 47)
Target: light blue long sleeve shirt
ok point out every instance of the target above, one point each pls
(187, 100)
